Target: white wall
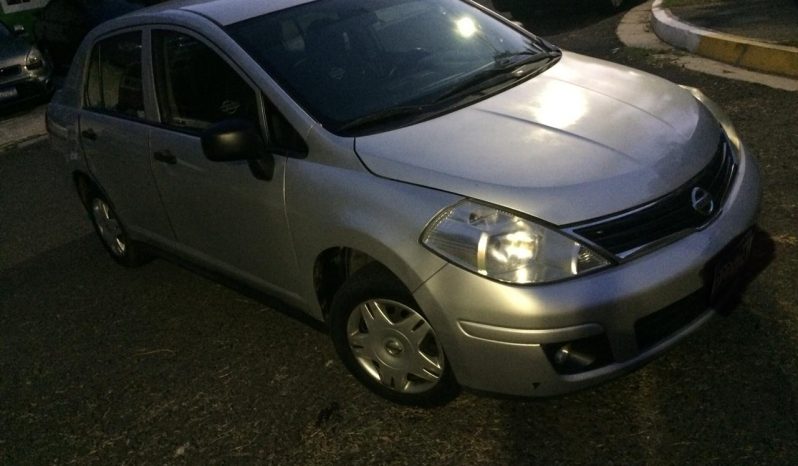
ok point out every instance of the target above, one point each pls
(15, 6)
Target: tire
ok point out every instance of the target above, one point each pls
(386, 342)
(112, 234)
(612, 6)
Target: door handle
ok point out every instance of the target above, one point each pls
(165, 156)
(89, 134)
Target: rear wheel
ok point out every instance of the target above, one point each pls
(112, 234)
(386, 342)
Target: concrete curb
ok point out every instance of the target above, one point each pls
(22, 143)
(727, 48)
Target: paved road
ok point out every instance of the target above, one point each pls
(159, 365)
(21, 124)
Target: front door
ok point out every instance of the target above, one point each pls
(222, 213)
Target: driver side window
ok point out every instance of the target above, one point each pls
(196, 88)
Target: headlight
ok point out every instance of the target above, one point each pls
(34, 60)
(505, 247)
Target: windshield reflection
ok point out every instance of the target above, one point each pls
(347, 60)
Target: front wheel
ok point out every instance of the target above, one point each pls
(386, 341)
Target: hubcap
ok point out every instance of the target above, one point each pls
(395, 345)
(108, 226)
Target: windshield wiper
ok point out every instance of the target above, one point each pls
(503, 67)
(385, 116)
(505, 59)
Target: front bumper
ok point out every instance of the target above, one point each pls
(495, 335)
(26, 85)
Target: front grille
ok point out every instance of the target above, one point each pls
(10, 71)
(674, 213)
(658, 326)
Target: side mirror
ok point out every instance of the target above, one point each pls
(231, 140)
(235, 140)
(18, 30)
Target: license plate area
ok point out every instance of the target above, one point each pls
(8, 93)
(725, 270)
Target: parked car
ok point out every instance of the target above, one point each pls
(461, 201)
(62, 24)
(24, 71)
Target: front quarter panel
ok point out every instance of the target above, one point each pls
(330, 206)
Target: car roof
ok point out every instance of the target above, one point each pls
(223, 12)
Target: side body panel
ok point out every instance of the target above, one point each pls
(225, 216)
(119, 160)
(330, 206)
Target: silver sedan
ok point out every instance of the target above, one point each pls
(461, 201)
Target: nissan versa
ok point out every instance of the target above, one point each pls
(462, 202)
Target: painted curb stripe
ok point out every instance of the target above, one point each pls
(726, 48)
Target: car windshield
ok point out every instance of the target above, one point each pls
(351, 63)
(4, 31)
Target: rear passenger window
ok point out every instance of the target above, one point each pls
(113, 82)
(195, 87)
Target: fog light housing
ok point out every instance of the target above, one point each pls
(577, 356)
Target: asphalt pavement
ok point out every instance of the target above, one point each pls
(21, 125)
(160, 365)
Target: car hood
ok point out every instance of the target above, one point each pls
(13, 52)
(585, 139)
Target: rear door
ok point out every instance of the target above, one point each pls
(115, 132)
(224, 213)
